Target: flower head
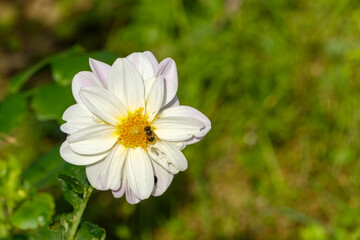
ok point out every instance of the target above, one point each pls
(128, 127)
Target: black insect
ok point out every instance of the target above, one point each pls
(149, 133)
(155, 180)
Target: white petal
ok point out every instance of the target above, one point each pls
(103, 104)
(143, 64)
(161, 158)
(179, 145)
(126, 83)
(156, 98)
(164, 179)
(93, 175)
(75, 111)
(173, 155)
(100, 69)
(186, 111)
(177, 128)
(139, 172)
(120, 192)
(131, 196)
(77, 117)
(111, 170)
(73, 126)
(93, 140)
(174, 102)
(148, 84)
(77, 159)
(84, 79)
(167, 68)
(152, 59)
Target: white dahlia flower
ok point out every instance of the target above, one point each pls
(128, 128)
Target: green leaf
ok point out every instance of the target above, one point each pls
(90, 231)
(66, 66)
(12, 110)
(47, 233)
(73, 183)
(20, 79)
(70, 196)
(79, 176)
(50, 101)
(43, 172)
(34, 213)
(76, 171)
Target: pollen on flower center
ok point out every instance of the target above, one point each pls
(132, 130)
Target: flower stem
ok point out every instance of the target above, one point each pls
(79, 213)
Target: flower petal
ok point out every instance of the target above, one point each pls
(93, 175)
(161, 159)
(139, 172)
(173, 155)
(186, 111)
(148, 84)
(78, 159)
(156, 98)
(77, 117)
(164, 179)
(174, 102)
(75, 111)
(120, 192)
(111, 169)
(100, 69)
(167, 68)
(177, 128)
(84, 79)
(126, 83)
(143, 64)
(94, 139)
(179, 145)
(131, 196)
(103, 104)
(152, 59)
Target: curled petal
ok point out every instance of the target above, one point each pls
(79, 159)
(100, 69)
(139, 172)
(126, 83)
(186, 111)
(177, 128)
(94, 139)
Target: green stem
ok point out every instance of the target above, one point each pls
(79, 213)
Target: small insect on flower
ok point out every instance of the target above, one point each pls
(155, 180)
(128, 127)
(149, 134)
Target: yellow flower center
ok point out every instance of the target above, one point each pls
(135, 131)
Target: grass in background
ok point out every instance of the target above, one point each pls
(279, 81)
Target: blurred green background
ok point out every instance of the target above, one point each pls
(278, 79)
